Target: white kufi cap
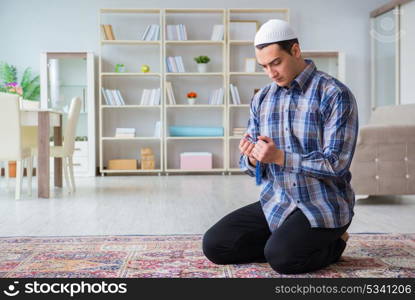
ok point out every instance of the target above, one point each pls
(274, 31)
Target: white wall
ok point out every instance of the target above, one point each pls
(29, 27)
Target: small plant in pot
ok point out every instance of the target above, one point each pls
(202, 62)
(28, 89)
(191, 98)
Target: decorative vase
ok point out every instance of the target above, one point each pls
(12, 169)
(202, 68)
(191, 101)
(29, 104)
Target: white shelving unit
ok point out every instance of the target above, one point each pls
(331, 62)
(182, 114)
(129, 50)
(246, 82)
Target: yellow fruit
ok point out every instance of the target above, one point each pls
(145, 68)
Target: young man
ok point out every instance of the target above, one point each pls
(300, 142)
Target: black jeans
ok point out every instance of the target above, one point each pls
(243, 236)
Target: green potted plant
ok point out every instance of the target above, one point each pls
(202, 62)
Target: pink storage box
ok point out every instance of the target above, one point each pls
(195, 160)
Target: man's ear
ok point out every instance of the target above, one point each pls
(295, 50)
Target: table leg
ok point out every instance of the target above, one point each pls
(43, 155)
(57, 139)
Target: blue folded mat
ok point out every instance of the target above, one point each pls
(195, 131)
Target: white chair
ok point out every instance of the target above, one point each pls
(12, 148)
(66, 151)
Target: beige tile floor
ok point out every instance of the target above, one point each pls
(164, 205)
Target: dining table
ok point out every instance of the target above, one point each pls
(47, 121)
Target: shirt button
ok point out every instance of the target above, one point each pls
(286, 129)
(288, 147)
(286, 110)
(298, 201)
(294, 184)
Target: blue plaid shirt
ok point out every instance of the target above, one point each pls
(315, 123)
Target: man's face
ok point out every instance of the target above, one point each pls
(280, 66)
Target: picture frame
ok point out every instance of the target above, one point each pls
(250, 65)
(243, 30)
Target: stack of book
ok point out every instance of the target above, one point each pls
(217, 33)
(125, 132)
(176, 32)
(238, 131)
(108, 34)
(152, 33)
(216, 97)
(150, 97)
(112, 97)
(175, 64)
(170, 94)
(235, 94)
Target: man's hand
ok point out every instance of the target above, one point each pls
(245, 147)
(266, 152)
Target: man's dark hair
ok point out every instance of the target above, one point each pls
(285, 45)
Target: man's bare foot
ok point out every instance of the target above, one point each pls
(345, 237)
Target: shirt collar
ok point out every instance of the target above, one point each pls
(304, 78)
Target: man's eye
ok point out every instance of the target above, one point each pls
(276, 63)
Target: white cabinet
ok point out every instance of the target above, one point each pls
(65, 75)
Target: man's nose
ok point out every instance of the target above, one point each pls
(272, 73)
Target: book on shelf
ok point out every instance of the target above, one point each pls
(108, 32)
(104, 35)
(112, 35)
(234, 94)
(175, 64)
(156, 95)
(125, 132)
(151, 97)
(170, 93)
(112, 97)
(183, 32)
(217, 33)
(119, 97)
(176, 32)
(157, 129)
(238, 131)
(170, 64)
(180, 65)
(216, 97)
(152, 33)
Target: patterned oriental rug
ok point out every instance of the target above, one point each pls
(367, 255)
